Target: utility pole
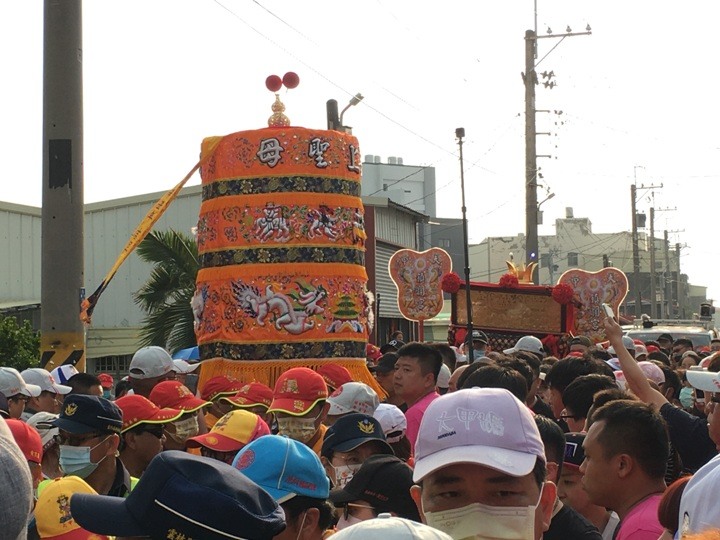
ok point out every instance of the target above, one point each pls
(531, 171)
(531, 209)
(653, 282)
(62, 333)
(680, 286)
(636, 253)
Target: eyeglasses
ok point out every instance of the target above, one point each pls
(564, 415)
(19, 397)
(346, 508)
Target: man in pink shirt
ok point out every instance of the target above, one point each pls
(626, 451)
(416, 372)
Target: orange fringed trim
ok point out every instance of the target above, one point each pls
(267, 372)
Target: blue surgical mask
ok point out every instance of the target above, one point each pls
(75, 460)
(686, 397)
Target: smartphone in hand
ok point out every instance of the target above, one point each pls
(607, 308)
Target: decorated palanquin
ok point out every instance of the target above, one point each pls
(281, 244)
(513, 308)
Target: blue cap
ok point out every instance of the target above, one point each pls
(181, 495)
(85, 414)
(352, 430)
(284, 468)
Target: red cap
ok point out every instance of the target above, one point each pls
(297, 391)
(232, 432)
(251, 395)
(28, 439)
(652, 348)
(137, 409)
(334, 375)
(373, 352)
(220, 386)
(173, 395)
(106, 380)
(576, 354)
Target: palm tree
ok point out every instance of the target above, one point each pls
(166, 296)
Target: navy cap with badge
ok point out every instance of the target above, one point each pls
(184, 496)
(352, 430)
(85, 414)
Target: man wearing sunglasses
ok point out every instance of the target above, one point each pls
(142, 435)
(89, 438)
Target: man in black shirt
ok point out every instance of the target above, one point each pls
(566, 522)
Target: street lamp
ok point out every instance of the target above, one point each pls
(357, 98)
(460, 133)
(334, 121)
(539, 212)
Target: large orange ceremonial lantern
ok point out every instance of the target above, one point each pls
(281, 243)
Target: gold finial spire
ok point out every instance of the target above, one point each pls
(522, 272)
(278, 117)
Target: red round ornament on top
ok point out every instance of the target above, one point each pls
(273, 83)
(291, 79)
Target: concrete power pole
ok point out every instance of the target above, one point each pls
(531, 208)
(62, 333)
(636, 253)
(531, 170)
(653, 277)
(680, 286)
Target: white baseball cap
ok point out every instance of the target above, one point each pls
(42, 422)
(42, 378)
(181, 366)
(702, 379)
(62, 374)
(482, 426)
(527, 343)
(12, 384)
(353, 397)
(699, 509)
(390, 527)
(392, 420)
(443, 380)
(150, 362)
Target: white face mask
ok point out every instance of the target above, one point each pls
(344, 473)
(344, 523)
(483, 522)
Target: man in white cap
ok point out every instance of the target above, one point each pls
(16, 390)
(528, 344)
(348, 398)
(51, 393)
(482, 446)
(148, 367)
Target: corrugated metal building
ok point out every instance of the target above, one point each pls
(113, 336)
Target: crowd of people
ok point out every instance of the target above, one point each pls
(457, 442)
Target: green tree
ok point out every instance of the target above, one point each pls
(19, 344)
(165, 297)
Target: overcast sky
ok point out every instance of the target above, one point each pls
(639, 97)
